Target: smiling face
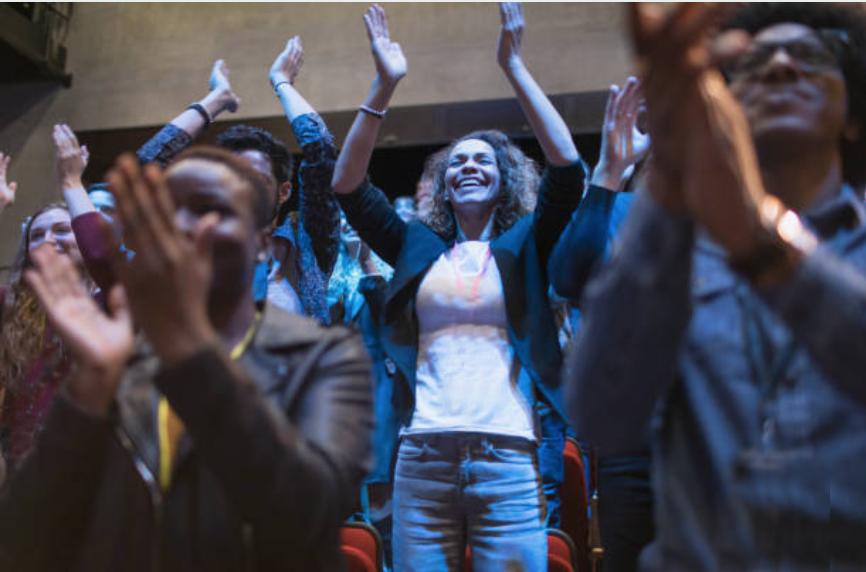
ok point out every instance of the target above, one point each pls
(54, 227)
(791, 89)
(472, 176)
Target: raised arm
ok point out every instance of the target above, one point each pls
(549, 127)
(71, 159)
(357, 150)
(318, 208)
(184, 128)
(7, 189)
(586, 240)
(283, 72)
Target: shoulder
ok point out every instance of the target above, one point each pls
(280, 329)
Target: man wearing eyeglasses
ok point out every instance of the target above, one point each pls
(732, 320)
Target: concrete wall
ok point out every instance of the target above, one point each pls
(137, 65)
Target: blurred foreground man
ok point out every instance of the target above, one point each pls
(226, 436)
(733, 316)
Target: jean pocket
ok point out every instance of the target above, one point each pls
(411, 451)
(511, 456)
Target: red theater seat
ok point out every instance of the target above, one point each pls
(361, 547)
(575, 504)
(560, 553)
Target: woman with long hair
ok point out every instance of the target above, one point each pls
(468, 322)
(33, 361)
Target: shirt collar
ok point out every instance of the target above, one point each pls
(844, 212)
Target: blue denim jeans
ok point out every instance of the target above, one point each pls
(454, 489)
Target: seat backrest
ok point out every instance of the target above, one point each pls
(560, 552)
(575, 504)
(361, 546)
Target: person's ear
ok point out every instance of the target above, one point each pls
(285, 192)
(264, 247)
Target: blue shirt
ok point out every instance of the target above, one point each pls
(757, 397)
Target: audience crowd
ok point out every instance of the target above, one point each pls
(194, 377)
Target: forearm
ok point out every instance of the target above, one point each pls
(583, 244)
(374, 219)
(180, 132)
(559, 194)
(318, 207)
(637, 312)
(547, 124)
(294, 104)
(354, 159)
(76, 198)
(96, 251)
(824, 305)
(192, 122)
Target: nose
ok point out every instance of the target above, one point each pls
(49, 238)
(470, 166)
(781, 66)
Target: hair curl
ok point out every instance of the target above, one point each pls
(518, 185)
(22, 331)
(752, 18)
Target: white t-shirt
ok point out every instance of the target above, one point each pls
(281, 294)
(466, 371)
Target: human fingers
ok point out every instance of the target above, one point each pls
(610, 106)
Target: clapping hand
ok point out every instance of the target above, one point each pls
(511, 29)
(287, 65)
(221, 89)
(169, 279)
(701, 138)
(71, 158)
(7, 189)
(622, 143)
(390, 61)
(100, 343)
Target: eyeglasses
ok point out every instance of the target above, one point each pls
(810, 57)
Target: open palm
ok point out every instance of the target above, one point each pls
(390, 61)
(7, 190)
(94, 338)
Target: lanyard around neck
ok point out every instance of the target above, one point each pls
(167, 418)
(458, 278)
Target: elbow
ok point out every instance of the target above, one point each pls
(563, 157)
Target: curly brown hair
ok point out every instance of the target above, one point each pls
(518, 187)
(22, 330)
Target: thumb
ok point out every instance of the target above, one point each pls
(13, 187)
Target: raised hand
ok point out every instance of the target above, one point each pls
(169, 278)
(389, 58)
(71, 158)
(100, 343)
(288, 63)
(622, 143)
(223, 96)
(706, 141)
(511, 29)
(7, 189)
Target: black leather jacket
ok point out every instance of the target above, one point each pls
(276, 445)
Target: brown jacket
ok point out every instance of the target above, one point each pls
(276, 446)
